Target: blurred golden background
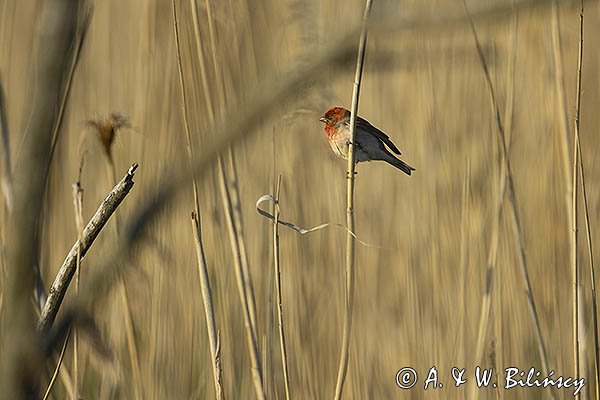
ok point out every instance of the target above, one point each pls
(420, 288)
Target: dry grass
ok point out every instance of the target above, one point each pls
(418, 296)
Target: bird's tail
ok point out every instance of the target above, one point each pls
(401, 165)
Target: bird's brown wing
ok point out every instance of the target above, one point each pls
(367, 127)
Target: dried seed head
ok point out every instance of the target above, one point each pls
(106, 127)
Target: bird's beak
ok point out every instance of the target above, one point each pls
(322, 119)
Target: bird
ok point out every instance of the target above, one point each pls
(370, 142)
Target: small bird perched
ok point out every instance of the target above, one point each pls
(370, 143)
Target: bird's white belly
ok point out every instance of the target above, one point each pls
(339, 146)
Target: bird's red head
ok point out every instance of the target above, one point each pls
(335, 115)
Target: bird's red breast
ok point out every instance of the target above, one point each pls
(330, 130)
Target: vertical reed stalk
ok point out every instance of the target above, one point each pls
(76, 47)
(239, 232)
(232, 173)
(574, 265)
(561, 104)
(78, 203)
(592, 272)
(211, 325)
(564, 124)
(492, 271)
(243, 289)
(515, 217)
(106, 130)
(78, 207)
(230, 203)
(464, 256)
(128, 318)
(350, 223)
(22, 360)
(209, 313)
(57, 369)
(503, 273)
(277, 271)
(575, 258)
(492, 260)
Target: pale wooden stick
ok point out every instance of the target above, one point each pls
(90, 233)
